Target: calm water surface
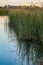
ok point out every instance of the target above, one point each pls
(14, 51)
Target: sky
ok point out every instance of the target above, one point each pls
(17, 2)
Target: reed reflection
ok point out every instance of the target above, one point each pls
(28, 51)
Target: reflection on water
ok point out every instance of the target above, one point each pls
(14, 51)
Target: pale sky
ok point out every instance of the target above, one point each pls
(17, 2)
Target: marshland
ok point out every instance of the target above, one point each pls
(21, 36)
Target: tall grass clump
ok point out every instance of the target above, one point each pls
(28, 25)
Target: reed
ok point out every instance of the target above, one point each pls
(28, 25)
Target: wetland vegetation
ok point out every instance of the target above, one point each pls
(28, 24)
(23, 29)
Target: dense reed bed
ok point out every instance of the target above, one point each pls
(28, 24)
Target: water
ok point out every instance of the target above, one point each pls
(14, 51)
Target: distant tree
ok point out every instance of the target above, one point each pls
(42, 4)
(6, 6)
